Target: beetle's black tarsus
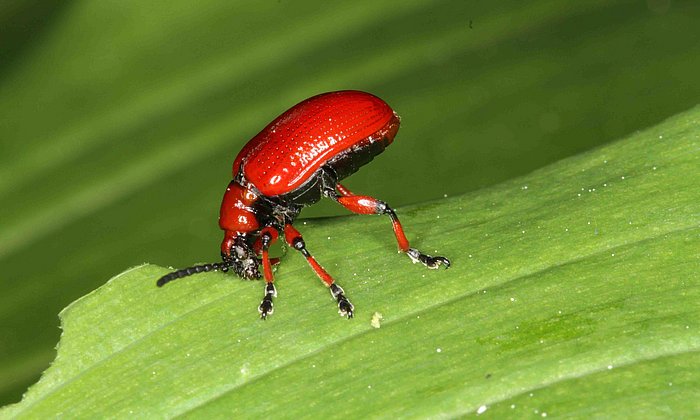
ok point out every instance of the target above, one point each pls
(427, 260)
(345, 308)
(266, 307)
(190, 271)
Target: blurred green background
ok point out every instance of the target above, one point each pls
(119, 120)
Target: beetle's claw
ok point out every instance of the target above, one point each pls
(437, 260)
(266, 307)
(427, 260)
(345, 308)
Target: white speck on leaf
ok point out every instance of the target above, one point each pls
(376, 320)
(481, 409)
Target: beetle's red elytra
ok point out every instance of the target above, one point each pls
(296, 160)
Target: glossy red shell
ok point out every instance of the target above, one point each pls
(237, 213)
(296, 144)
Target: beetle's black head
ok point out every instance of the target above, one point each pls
(242, 259)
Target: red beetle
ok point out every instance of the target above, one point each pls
(293, 162)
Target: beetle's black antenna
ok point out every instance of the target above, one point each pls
(223, 266)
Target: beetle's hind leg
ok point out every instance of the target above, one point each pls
(363, 204)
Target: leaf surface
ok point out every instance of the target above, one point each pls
(573, 291)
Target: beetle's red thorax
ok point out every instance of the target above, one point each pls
(237, 212)
(296, 144)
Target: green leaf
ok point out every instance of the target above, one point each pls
(119, 120)
(574, 291)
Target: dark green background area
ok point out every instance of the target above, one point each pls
(119, 121)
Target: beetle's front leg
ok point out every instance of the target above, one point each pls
(267, 237)
(363, 204)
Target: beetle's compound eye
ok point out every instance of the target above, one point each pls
(239, 252)
(243, 260)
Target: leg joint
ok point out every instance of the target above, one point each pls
(331, 193)
(266, 239)
(298, 244)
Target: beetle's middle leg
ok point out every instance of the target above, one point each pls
(294, 239)
(363, 204)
